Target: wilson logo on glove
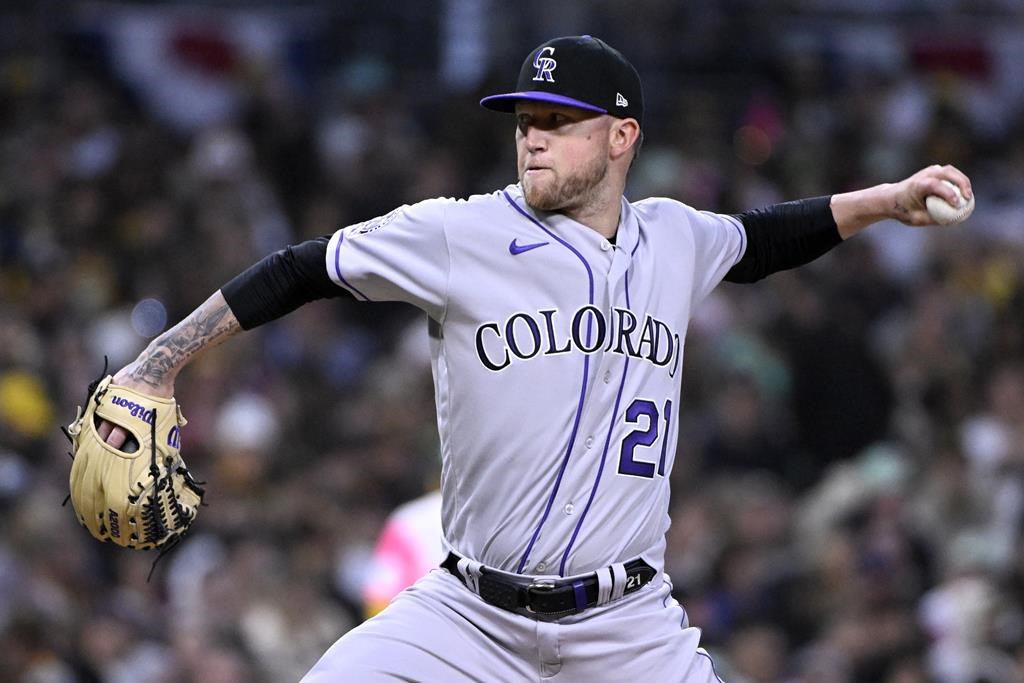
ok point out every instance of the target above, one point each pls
(134, 408)
(174, 437)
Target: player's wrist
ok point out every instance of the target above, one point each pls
(854, 211)
(144, 375)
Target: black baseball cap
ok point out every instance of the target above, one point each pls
(578, 71)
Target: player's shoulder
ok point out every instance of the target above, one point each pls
(483, 200)
(668, 211)
(436, 209)
(654, 208)
(436, 212)
(469, 203)
(469, 212)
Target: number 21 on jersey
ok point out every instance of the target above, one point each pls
(645, 435)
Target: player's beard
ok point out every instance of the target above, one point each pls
(570, 193)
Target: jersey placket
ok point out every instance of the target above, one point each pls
(593, 252)
(606, 388)
(570, 500)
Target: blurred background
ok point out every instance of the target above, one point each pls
(849, 491)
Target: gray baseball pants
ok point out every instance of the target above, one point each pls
(440, 631)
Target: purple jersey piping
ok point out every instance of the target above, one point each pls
(583, 389)
(713, 671)
(607, 440)
(337, 266)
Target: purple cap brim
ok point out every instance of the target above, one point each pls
(507, 102)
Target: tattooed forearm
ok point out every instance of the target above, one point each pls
(206, 327)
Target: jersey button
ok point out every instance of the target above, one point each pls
(590, 441)
(541, 567)
(569, 509)
(607, 376)
(605, 245)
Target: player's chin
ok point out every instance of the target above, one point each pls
(540, 195)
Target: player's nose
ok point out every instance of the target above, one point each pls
(535, 138)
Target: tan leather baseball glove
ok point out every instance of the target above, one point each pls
(141, 496)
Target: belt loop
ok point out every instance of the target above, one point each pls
(605, 581)
(470, 570)
(619, 580)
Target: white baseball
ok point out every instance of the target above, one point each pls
(944, 213)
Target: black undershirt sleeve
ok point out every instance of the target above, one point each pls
(280, 283)
(784, 236)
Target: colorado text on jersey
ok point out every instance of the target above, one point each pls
(525, 336)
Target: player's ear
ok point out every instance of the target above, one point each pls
(623, 135)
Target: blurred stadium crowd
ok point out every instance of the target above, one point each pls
(849, 492)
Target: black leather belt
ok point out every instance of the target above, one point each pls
(546, 597)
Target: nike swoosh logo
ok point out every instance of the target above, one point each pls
(516, 249)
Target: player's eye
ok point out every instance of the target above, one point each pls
(547, 121)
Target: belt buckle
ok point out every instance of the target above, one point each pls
(538, 585)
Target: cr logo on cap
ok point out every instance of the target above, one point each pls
(545, 64)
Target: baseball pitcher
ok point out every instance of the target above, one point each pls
(558, 312)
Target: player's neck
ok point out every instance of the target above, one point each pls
(601, 214)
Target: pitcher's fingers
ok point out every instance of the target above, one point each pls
(958, 178)
(115, 436)
(936, 185)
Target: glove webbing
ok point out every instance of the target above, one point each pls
(154, 522)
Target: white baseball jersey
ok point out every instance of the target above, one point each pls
(557, 358)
